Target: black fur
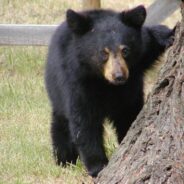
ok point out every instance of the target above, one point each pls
(80, 96)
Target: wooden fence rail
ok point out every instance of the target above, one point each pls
(12, 34)
(39, 35)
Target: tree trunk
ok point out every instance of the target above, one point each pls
(153, 150)
(91, 4)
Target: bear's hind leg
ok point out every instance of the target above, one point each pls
(122, 125)
(124, 120)
(63, 149)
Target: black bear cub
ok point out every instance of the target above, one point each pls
(95, 70)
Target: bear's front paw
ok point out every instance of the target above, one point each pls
(96, 169)
(167, 40)
(164, 36)
(96, 166)
(170, 40)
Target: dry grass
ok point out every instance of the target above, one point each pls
(25, 150)
(52, 12)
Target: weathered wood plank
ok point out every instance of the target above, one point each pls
(25, 34)
(160, 10)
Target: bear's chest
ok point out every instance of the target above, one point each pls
(108, 97)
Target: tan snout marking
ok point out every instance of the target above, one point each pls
(115, 64)
(121, 47)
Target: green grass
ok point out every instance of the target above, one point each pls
(25, 145)
(25, 122)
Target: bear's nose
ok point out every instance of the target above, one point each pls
(118, 77)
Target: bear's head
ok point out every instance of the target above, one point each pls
(107, 43)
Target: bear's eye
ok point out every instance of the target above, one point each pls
(105, 55)
(125, 51)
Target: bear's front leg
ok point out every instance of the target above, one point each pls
(87, 134)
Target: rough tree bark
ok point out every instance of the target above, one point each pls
(153, 150)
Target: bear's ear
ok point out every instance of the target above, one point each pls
(77, 22)
(134, 17)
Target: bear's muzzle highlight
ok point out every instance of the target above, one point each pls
(116, 70)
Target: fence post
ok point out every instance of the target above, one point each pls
(91, 4)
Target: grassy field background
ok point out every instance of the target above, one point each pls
(25, 146)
